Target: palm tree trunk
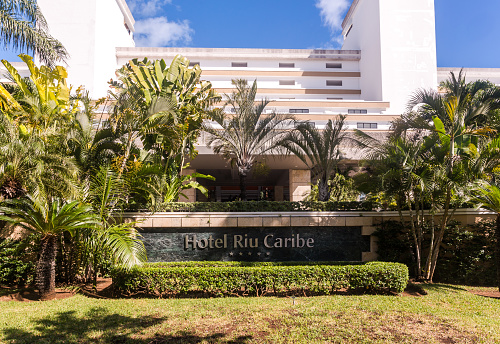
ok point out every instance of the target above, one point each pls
(243, 187)
(323, 194)
(46, 268)
(497, 250)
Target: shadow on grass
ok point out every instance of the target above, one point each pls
(442, 287)
(99, 326)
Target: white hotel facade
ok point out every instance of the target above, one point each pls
(389, 51)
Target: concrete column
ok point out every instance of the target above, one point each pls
(278, 193)
(300, 184)
(190, 193)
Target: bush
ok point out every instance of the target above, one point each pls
(237, 278)
(465, 257)
(15, 269)
(267, 206)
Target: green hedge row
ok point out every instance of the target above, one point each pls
(260, 280)
(211, 264)
(262, 206)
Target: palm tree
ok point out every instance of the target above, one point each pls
(28, 163)
(488, 196)
(458, 119)
(247, 134)
(113, 239)
(23, 26)
(50, 218)
(319, 150)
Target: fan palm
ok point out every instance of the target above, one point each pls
(488, 196)
(319, 150)
(50, 218)
(23, 27)
(247, 134)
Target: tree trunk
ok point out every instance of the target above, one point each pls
(497, 250)
(323, 194)
(46, 268)
(243, 187)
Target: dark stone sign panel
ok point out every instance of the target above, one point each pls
(255, 244)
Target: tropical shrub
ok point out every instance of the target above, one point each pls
(15, 267)
(259, 279)
(467, 252)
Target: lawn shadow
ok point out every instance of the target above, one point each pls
(442, 287)
(100, 326)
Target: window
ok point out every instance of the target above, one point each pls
(287, 82)
(299, 110)
(367, 125)
(287, 98)
(348, 31)
(334, 65)
(192, 64)
(287, 65)
(356, 111)
(330, 98)
(333, 82)
(239, 64)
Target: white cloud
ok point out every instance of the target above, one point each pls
(147, 8)
(159, 32)
(332, 13)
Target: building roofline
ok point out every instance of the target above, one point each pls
(350, 13)
(235, 53)
(127, 15)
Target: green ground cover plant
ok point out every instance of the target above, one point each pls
(448, 314)
(162, 281)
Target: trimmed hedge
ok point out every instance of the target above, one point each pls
(260, 280)
(263, 206)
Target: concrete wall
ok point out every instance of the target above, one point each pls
(90, 31)
(366, 220)
(397, 40)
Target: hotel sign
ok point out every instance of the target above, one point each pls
(255, 244)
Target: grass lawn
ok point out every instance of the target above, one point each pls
(448, 314)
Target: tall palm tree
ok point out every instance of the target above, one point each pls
(488, 196)
(23, 27)
(247, 134)
(50, 218)
(458, 118)
(319, 150)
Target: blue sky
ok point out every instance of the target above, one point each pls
(467, 32)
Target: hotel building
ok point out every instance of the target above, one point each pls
(389, 51)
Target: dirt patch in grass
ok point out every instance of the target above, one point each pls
(30, 295)
(425, 329)
(103, 290)
(486, 292)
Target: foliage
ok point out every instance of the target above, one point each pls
(433, 157)
(15, 268)
(23, 27)
(342, 189)
(248, 133)
(467, 252)
(49, 218)
(261, 280)
(263, 206)
(319, 150)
